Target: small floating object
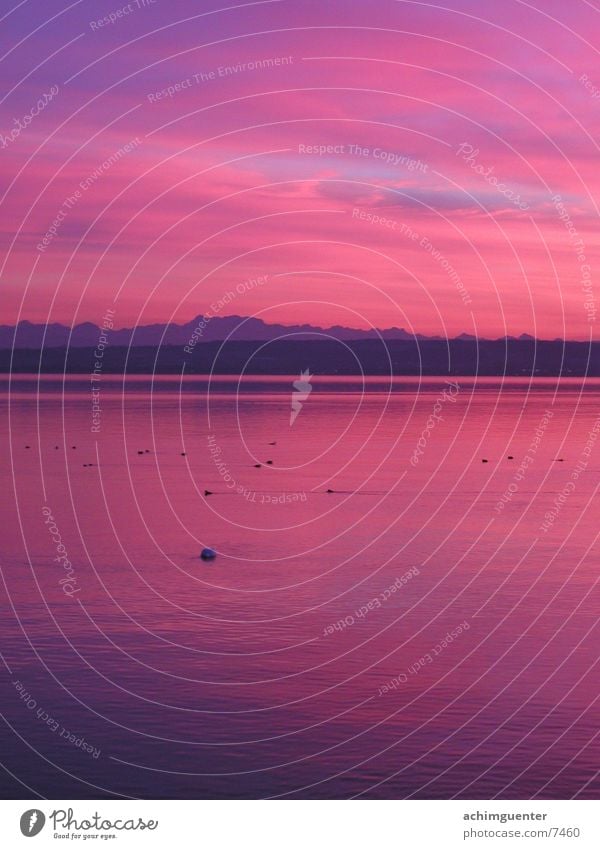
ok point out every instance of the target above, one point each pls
(147, 451)
(484, 460)
(56, 447)
(27, 446)
(330, 490)
(207, 492)
(273, 443)
(73, 446)
(208, 554)
(559, 460)
(183, 453)
(269, 462)
(140, 452)
(258, 465)
(510, 457)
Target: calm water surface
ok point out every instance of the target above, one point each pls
(428, 628)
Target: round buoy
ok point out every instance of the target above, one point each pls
(208, 554)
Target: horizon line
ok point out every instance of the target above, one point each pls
(417, 335)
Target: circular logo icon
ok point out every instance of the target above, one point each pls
(32, 822)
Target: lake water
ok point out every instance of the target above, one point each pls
(426, 629)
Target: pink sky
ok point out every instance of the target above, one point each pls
(219, 187)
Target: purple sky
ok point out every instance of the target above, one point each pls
(444, 136)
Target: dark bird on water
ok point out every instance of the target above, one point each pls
(484, 461)
(258, 466)
(510, 457)
(140, 452)
(183, 453)
(330, 490)
(207, 492)
(269, 462)
(273, 443)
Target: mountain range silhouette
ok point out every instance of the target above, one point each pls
(218, 328)
(238, 345)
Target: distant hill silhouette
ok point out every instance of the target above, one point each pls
(255, 347)
(234, 327)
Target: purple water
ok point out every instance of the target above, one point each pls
(311, 658)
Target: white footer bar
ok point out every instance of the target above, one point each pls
(306, 824)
